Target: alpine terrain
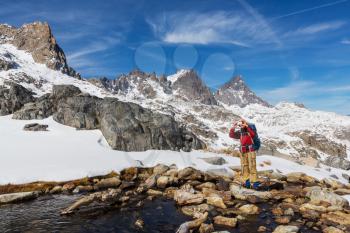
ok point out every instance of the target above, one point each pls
(140, 119)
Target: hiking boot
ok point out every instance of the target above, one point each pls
(247, 184)
(256, 185)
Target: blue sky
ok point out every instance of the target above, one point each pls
(285, 50)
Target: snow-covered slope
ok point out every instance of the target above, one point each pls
(38, 77)
(63, 153)
(279, 126)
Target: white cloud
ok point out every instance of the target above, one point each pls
(299, 90)
(315, 29)
(236, 28)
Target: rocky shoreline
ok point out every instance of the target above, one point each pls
(296, 201)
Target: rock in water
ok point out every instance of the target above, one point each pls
(286, 229)
(17, 197)
(317, 195)
(35, 127)
(230, 222)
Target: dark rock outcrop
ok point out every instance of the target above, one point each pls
(129, 127)
(190, 86)
(12, 98)
(126, 126)
(40, 109)
(37, 39)
(80, 112)
(35, 127)
(236, 92)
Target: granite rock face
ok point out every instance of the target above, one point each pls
(236, 92)
(129, 127)
(126, 126)
(13, 97)
(189, 85)
(37, 39)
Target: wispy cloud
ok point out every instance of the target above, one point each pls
(236, 28)
(310, 9)
(315, 29)
(80, 58)
(302, 89)
(345, 41)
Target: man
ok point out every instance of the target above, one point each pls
(241, 130)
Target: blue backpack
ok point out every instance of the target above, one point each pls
(256, 139)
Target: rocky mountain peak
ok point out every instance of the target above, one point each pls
(189, 85)
(37, 39)
(236, 92)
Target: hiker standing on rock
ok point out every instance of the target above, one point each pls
(250, 144)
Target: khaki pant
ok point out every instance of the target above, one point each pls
(248, 166)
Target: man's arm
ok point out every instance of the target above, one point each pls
(233, 134)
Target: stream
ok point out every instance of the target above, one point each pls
(159, 215)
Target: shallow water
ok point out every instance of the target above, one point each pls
(159, 215)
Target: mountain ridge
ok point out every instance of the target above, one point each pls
(285, 128)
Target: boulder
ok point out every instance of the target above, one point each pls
(160, 169)
(129, 174)
(162, 182)
(336, 218)
(244, 194)
(56, 189)
(215, 160)
(286, 229)
(189, 173)
(249, 209)
(318, 195)
(216, 201)
(224, 221)
(206, 228)
(35, 127)
(183, 197)
(17, 197)
(112, 182)
(206, 185)
(192, 210)
(13, 98)
(332, 230)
